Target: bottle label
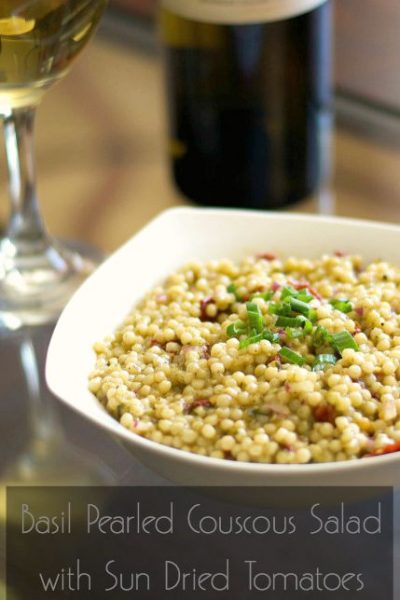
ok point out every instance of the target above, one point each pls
(240, 11)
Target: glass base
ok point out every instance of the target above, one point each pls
(51, 462)
(34, 288)
(55, 463)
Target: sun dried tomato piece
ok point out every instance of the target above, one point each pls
(275, 358)
(154, 342)
(204, 402)
(288, 447)
(267, 256)
(306, 285)
(324, 413)
(388, 449)
(228, 455)
(205, 351)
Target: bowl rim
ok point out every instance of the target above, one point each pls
(103, 419)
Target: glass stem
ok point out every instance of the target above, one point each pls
(25, 230)
(43, 419)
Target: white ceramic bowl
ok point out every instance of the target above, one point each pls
(170, 240)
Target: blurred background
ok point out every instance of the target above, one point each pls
(101, 133)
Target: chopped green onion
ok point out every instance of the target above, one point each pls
(295, 333)
(295, 322)
(252, 307)
(290, 305)
(280, 308)
(253, 339)
(300, 307)
(283, 321)
(343, 340)
(255, 317)
(235, 329)
(264, 295)
(232, 289)
(291, 356)
(283, 309)
(321, 336)
(288, 292)
(323, 360)
(304, 296)
(312, 315)
(341, 304)
(270, 336)
(307, 327)
(272, 308)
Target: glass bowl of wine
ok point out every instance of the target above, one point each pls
(39, 40)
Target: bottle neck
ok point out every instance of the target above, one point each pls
(240, 12)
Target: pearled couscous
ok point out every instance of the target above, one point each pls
(265, 360)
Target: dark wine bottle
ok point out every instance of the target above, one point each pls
(249, 99)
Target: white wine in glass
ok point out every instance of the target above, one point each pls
(39, 39)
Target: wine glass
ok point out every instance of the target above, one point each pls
(39, 39)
